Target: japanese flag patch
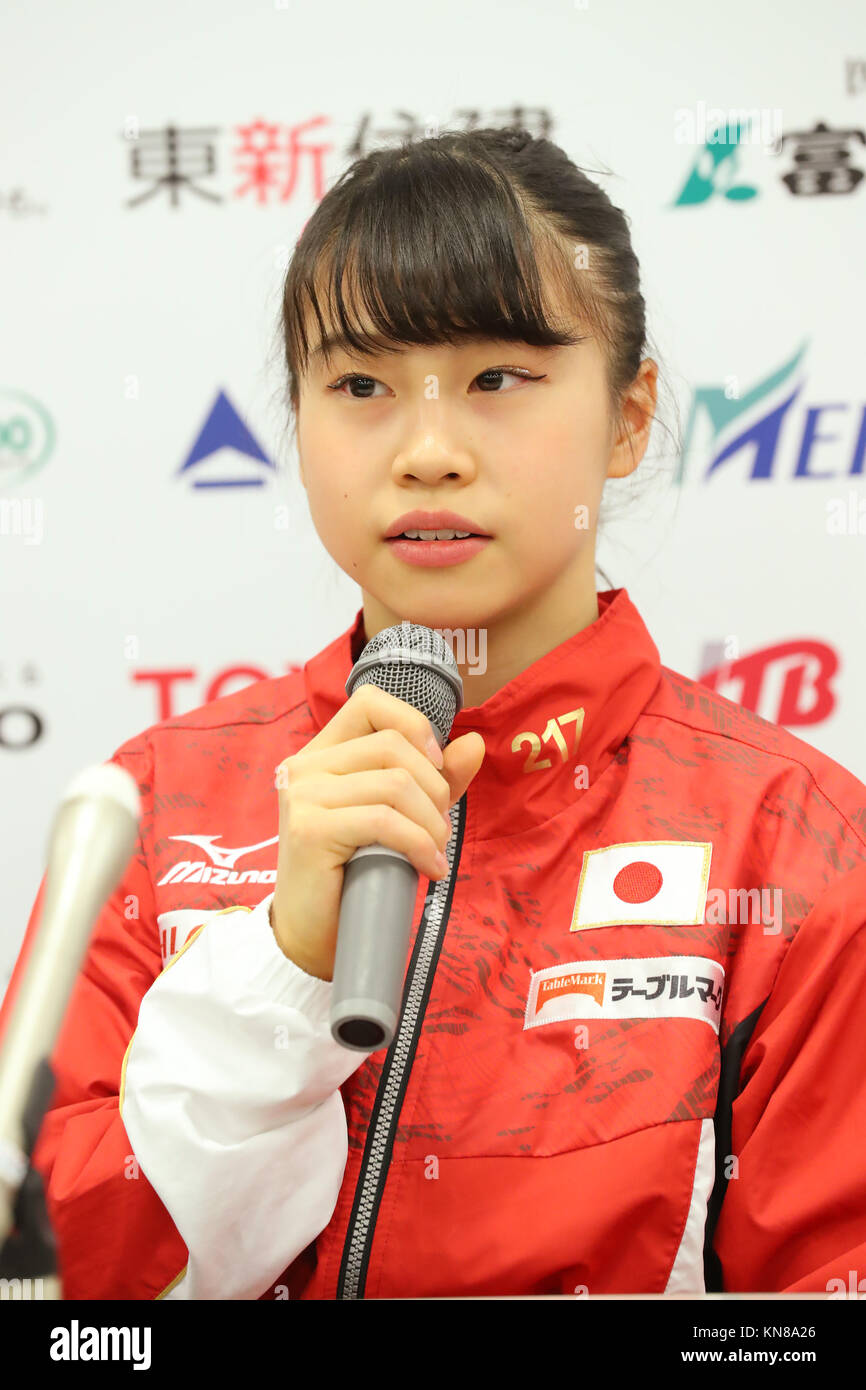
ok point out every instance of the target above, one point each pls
(657, 882)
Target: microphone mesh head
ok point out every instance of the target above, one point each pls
(415, 664)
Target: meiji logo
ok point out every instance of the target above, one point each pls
(223, 860)
(653, 987)
(758, 424)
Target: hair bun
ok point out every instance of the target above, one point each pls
(518, 139)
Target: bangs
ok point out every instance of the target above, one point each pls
(429, 250)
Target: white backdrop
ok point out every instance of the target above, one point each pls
(126, 323)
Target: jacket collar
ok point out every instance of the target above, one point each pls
(609, 669)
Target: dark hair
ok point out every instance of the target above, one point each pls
(447, 238)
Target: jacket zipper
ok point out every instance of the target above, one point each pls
(395, 1072)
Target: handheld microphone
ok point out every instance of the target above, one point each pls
(91, 840)
(415, 664)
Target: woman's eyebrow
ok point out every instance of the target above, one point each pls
(338, 342)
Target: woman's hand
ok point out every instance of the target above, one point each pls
(367, 778)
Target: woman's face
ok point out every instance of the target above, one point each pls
(516, 438)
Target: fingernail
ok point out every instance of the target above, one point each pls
(435, 752)
(441, 863)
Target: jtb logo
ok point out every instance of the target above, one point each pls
(788, 683)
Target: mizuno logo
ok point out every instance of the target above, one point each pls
(224, 859)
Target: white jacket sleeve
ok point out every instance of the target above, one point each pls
(232, 1106)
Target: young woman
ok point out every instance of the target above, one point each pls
(616, 1070)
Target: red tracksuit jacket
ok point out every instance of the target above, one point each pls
(631, 1052)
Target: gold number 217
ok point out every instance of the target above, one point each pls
(553, 731)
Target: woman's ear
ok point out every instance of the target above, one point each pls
(637, 412)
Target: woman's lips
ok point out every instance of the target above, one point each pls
(435, 553)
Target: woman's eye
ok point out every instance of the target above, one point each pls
(497, 373)
(352, 378)
(491, 380)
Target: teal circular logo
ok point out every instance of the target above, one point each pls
(26, 437)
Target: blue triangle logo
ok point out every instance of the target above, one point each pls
(224, 429)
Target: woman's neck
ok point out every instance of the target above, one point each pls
(492, 651)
